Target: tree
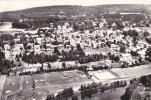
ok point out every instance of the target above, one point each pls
(45, 47)
(146, 34)
(55, 43)
(57, 51)
(49, 66)
(148, 54)
(21, 49)
(41, 68)
(128, 93)
(140, 59)
(29, 47)
(144, 80)
(2, 55)
(78, 47)
(122, 49)
(17, 58)
(63, 65)
(12, 43)
(108, 44)
(75, 98)
(72, 48)
(20, 25)
(125, 65)
(48, 97)
(102, 89)
(123, 97)
(42, 58)
(83, 95)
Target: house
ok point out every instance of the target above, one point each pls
(142, 53)
(14, 53)
(91, 35)
(18, 46)
(109, 32)
(115, 47)
(142, 44)
(125, 57)
(37, 48)
(39, 40)
(6, 47)
(60, 46)
(34, 36)
(101, 24)
(50, 47)
(7, 54)
(17, 40)
(73, 42)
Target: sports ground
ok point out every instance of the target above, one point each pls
(20, 87)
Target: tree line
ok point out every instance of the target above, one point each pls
(86, 91)
(42, 70)
(144, 80)
(5, 64)
(130, 89)
(20, 25)
(90, 89)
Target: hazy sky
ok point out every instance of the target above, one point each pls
(9, 5)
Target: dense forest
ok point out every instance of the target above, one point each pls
(45, 12)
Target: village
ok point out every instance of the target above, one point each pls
(40, 63)
(75, 48)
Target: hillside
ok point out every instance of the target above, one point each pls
(68, 10)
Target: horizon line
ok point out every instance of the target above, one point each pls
(67, 5)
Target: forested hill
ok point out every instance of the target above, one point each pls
(68, 10)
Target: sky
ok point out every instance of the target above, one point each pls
(10, 5)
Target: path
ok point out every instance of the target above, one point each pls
(2, 82)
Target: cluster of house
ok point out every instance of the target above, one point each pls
(65, 35)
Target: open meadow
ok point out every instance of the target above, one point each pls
(48, 83)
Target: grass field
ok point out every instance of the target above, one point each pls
(100, 50)
(49, 83)
(136, 95)
(20, 87)
(108, 95)
(132, 72)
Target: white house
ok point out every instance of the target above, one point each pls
(6, 47)
(39, 40)
(7, 54)
(37, 48)
(18, 46)
(125, 57)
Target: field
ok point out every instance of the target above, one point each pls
(108, 95)
(132, 72)
(100, 50)
(50, 83)
(20, 87)
(98, 76)
(136, 95)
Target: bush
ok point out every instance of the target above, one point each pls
(20, 25)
